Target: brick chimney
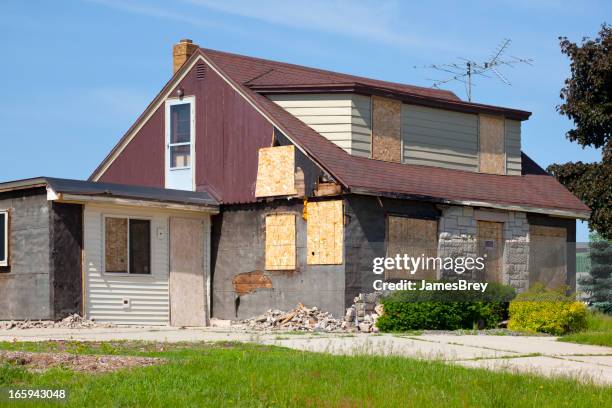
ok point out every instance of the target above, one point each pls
(181, 53)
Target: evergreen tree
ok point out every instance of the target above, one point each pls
(598, 283)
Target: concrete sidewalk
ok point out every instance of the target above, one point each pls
(540, 355)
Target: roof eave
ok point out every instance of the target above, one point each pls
(559, 212)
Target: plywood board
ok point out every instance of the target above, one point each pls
(325, 233)
(415, 238)
(490, 246)
(547, 256)
(491, 152)
(280, 242)
(115, 244)
(187, 293)
(386, 129)
(276, 172)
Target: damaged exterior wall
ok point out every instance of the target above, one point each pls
(365, 234)
(239, 248)
(43, 280)
(66, 257)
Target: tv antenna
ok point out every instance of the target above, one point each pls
(465, 70)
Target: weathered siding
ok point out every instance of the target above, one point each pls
(437, 137)
(344, 119)
(228, 134)
(25, 289)
(513, 147)
(239, 248)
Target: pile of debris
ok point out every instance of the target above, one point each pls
(364, 312)
(73, 321)
(361, 316)
(299, 319)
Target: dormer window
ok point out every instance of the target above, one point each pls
(180, 129)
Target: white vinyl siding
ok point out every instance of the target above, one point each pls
(513, 147)
(437, 137)
(344, 119)
(148, 295)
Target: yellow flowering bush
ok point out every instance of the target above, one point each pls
(547, 311)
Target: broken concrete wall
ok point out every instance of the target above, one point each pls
(238, 266)
(66, 243)
(365, 236)
(25, 290)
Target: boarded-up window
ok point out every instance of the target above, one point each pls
(548, 256)
(280, 242)
(491, 247)
(127, 245)
(415, 238)
(276, 172)
(386, 129)
(4, 237)
(325, 232)
(492, 146)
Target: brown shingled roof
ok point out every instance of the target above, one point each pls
(266, 76)
(535, 189)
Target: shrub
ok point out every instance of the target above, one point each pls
(443, 310)
(547, 311)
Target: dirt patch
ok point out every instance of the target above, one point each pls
(82, 363)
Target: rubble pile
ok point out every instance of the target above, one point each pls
(299, 319)
(361, 316)
(73, 321)
(364, 312)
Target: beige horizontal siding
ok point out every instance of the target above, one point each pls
(513, 147)
(437, 137)
(148, 294)
(344, 119)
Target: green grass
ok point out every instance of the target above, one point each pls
(229, 374)
(599, 331)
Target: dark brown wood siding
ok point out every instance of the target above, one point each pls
(229, 132)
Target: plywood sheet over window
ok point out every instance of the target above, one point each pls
(325, 232)
(491, 246)
(386, 129)
(280, 242)
(491, 151)
(548, 256)
(415, 238)
(276, 172)
(115, 244)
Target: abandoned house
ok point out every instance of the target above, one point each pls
(250, 184)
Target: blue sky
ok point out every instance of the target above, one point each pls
(76, 74)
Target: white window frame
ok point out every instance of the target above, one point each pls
(5, 261)
(128, 218)
(181, 101)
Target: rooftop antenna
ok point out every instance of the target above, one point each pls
(465, 69)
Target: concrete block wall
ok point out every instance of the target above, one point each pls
(457, 237)
(516, 251)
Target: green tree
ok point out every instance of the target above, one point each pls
(587, 97)
(598, 283)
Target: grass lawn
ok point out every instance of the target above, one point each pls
(599, 331)
(232, 374)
